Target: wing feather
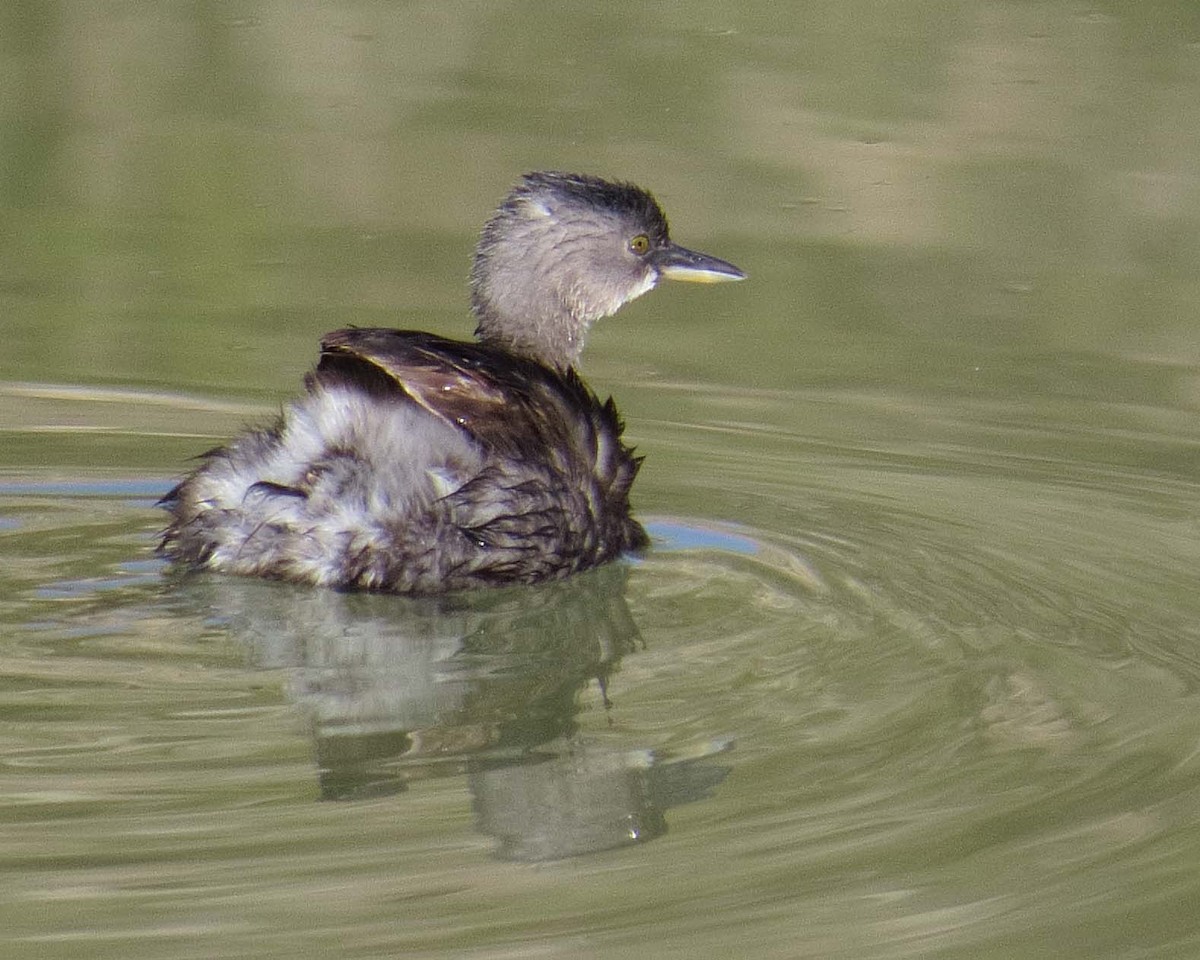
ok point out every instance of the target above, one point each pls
(512, 405)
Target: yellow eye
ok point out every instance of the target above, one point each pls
(640, 245)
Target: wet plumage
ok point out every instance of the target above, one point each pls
(418, 464)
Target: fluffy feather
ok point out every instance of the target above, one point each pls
(415, 464)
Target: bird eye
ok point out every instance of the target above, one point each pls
(640, 245)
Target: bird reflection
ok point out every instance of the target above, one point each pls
(485, 684)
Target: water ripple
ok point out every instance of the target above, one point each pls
(961, 676)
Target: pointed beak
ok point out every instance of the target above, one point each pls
(678, 263)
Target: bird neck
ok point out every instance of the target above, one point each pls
(552, 338)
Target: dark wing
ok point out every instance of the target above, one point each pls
(510, 404)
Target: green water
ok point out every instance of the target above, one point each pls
(913, 667)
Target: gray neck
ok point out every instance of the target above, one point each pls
(528, 297)
(555, 340)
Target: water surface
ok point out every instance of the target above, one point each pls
(911, 668)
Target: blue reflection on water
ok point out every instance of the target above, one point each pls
(149, 489)
(675, 535)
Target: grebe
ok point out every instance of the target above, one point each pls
(418, 464)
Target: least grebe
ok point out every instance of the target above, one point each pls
(418, 464)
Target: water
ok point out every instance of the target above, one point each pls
(911, 670)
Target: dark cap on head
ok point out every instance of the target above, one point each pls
(564, 250)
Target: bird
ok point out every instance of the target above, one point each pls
(417, 464)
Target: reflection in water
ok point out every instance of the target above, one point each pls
(397, 690)
(958, 414)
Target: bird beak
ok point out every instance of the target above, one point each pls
(677, 263)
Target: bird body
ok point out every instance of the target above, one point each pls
(418, 464)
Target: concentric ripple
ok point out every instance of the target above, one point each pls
(893, 681)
